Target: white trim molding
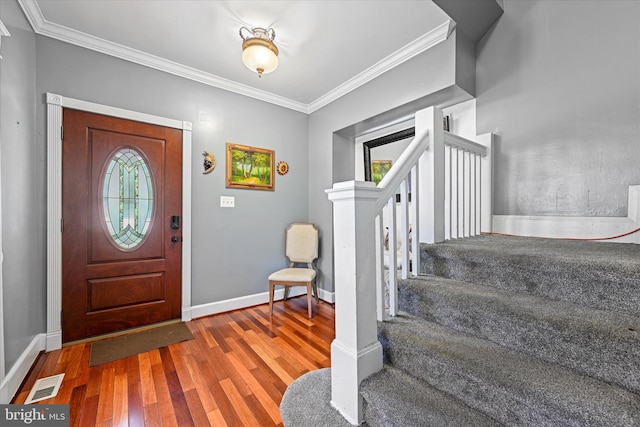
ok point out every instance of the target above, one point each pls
(421, 44)
(68, 35)
(567, 227)
(209, 309)
(11, 383)
(55, 104)
(59, 32)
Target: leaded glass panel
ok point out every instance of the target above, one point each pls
(127, 198)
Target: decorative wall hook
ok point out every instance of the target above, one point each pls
(283, 168)
(209, 162)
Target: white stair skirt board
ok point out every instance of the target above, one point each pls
(568, 227)
(45, 388)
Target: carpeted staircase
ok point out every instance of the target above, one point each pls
(513, 331)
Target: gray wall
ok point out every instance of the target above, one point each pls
(234, 249)
(559, 82)
(23, 189)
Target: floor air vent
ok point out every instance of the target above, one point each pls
(45, 388)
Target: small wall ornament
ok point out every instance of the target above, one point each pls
(283, 168)
(209, 162)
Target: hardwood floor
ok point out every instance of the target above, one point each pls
(233, 373)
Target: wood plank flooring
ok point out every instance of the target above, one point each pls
(233, 373)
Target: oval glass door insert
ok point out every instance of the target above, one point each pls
(127, 198)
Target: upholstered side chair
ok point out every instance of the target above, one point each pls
(301, 247)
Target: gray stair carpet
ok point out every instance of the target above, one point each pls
(307, 402)
(600, 343)
(509, 331)
(602, 275)
(393, 398)
(522, 331)
(511, 388)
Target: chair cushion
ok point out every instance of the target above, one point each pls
(302, 275)
(301, 244)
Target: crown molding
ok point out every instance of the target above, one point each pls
(59, 32)
(419, 45)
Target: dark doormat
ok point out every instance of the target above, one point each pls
(111, 349)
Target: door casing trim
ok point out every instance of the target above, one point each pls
(55, 104)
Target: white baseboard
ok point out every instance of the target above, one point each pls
(203, 310)
(54, 340)
(565, 227)
(11, 383)
(559, 227)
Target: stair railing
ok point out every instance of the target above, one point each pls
(436, 201)
(400, 189)
(455, 168)
(464, 186)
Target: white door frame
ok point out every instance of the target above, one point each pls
(55, 104)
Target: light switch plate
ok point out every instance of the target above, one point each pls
(227, 201)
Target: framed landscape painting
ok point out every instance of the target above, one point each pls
(379, 169)
(250, 167)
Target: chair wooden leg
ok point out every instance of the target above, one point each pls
(309, 306)
(315, 292)
(271, 290)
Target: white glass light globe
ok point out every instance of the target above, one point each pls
(259, 58)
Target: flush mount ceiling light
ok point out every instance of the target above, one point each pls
(259, 53)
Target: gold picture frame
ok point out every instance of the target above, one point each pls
(250, 167)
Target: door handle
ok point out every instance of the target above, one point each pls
(175, 239)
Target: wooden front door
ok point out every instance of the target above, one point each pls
(121, 239)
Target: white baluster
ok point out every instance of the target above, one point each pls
(393, 257)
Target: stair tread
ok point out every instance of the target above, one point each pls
(514, 388)
(621, 324)
(597, 274)
(601, 343)
(394, 398)
(576, 251)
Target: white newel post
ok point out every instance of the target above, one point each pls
(486, 178)
(356, 352)
(432, 175)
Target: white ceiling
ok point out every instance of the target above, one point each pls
(327, 48)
